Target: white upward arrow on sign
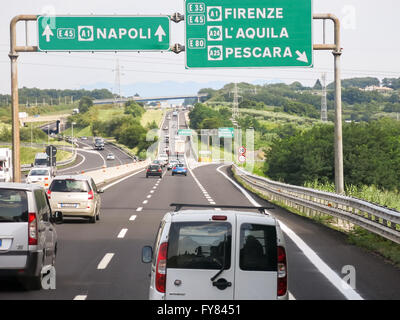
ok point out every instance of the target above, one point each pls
(160, 33)
(47, 33)
(302, 56)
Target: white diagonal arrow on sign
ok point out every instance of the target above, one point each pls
(47, 33)
(160, 33)
(302, 56)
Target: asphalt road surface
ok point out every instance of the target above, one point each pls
(103, 260)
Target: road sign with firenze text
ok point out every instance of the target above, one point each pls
(250, 33)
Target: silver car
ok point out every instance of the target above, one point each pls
(40, 176)
(28, 239)
(75, 196)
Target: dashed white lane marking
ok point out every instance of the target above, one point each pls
(105, 261)
(80, 297)
(149, 196)
(151, 191)
(139, 209)
(145, 201)
(154, 188)
(122, 233)
(311, 255)
(132, 218)
(212, 202)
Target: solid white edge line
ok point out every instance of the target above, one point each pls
(122, 179)
(332, 277)
(80, 297)
(77, 165)
(105, 261)
(122, 233)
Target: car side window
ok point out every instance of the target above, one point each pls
(39, 204)
(93, 185)
(46, 206)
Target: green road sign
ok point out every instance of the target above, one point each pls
(225, 133)
(184, 132)
(103, 33)
(251, 33)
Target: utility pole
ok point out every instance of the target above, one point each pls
(117, 82)
(324, 106)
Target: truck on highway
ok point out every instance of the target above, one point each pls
(42, 160)
(98, 143)
(6, 172)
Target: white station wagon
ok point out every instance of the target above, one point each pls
(217, 255)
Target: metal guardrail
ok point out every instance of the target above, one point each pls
(372, 217)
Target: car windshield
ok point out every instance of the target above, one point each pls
(13, 206)
(181, 165)
(69, 185)
(154, 167)
(39, 173)
(110, 155)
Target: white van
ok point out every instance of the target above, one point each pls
(217, 255)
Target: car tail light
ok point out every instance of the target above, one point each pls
(49, 194)
(159, 170)
(90, 195)
(174, 168)
(161, 268)
(148, 170)
(282, 271)
(32, 229)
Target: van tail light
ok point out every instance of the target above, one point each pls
(32, 229)
(282, 271)
(90, 195)
(49, 194)
(161, 268)
(159, 170)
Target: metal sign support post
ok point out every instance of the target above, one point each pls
(14, 49)
(337, 52)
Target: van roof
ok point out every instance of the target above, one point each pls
(204, 215)
(19, 186)
(41, 155)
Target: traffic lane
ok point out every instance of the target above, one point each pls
(92, 161)
(374, 277)
(305, 282)
(130, 277)
(81, 246)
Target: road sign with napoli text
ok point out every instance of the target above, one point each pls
(103, 33)
(250, 33)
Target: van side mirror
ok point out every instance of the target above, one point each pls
(147, 254)
(57, 218)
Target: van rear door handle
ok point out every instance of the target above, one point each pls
(222, 284)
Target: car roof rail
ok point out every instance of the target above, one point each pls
(179, 206)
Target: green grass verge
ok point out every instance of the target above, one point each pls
(152, 115)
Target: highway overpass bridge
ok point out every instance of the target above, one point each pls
(148, 99)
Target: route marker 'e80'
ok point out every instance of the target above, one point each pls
(250, 33)
(103, 33)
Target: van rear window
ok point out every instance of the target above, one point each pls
(13, 206)
(199, 245)
(258, 247)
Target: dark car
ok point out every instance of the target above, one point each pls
(154, 170)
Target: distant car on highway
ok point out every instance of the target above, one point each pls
(84, 138)
(40, 176)
(172, 164)
(110, 156)
(75, 196)
(28, 239)
(179, 168)
(154, 170)
(217, 255)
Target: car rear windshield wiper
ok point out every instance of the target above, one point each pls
(221, 264)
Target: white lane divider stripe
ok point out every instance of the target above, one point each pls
(149, 196)
(105, 261)
(139, 209)
(122, 233)
(145, 201)
(80, 297)
(333, 278)
(132, 218)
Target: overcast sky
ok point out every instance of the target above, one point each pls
(370, 41)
